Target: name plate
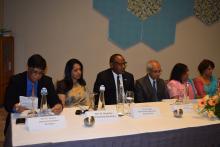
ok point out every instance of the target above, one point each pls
(185, 107)
(138, 112)
(45, 122)
(103, 116)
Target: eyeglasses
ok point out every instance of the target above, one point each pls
(36, 71)
(157, 71)
(120, 64)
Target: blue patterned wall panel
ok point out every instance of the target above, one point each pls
(123, 36)
(158, 31)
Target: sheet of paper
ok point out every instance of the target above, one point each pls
(29, 102)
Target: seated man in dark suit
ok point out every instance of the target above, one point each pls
(151, 88)
(112, 78)
(30, 83)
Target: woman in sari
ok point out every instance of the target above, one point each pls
(71, 90)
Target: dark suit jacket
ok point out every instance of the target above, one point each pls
(144, 90)
(17, 87)
(106, 78)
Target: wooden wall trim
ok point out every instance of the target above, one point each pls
(1, 13)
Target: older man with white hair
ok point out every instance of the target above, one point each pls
(151, 88)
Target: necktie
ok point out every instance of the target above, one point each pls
(118, 84)
(33, 90)
(155, 90)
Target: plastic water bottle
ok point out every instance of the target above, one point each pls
(101, 103)
(43, 105)
(120, 101)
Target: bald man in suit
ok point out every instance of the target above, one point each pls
(151, 88)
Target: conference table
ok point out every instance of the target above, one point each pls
(163, 130)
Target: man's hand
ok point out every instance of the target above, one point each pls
(57, 109)
(18, 108)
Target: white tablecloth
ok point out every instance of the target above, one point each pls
(75, 129)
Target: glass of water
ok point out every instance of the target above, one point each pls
(129, 100)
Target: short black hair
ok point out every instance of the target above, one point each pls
(204, 64)
(178, 70)
(37, 61)
(112, 58)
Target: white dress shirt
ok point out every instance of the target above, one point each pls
(121, 82)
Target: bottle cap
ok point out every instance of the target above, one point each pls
(102, 88)
(43, 91)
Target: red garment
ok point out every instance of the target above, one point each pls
(199, 85)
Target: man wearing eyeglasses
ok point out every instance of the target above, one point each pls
(151, 88)
(30, 83)
(112, 78)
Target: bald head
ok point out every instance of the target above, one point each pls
(154, 69)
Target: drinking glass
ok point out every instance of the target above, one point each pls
(129, 100)
(92, 101)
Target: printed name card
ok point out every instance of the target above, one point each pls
(45, 122)
(138, 112)
(103, 116)
(188, 107)
(28, 102)
(185, 107)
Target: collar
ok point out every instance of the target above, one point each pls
(151, 79)
(30, 82)
(115, 75)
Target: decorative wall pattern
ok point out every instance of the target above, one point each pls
(157, 31)
(208, 11)
(144, 8)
